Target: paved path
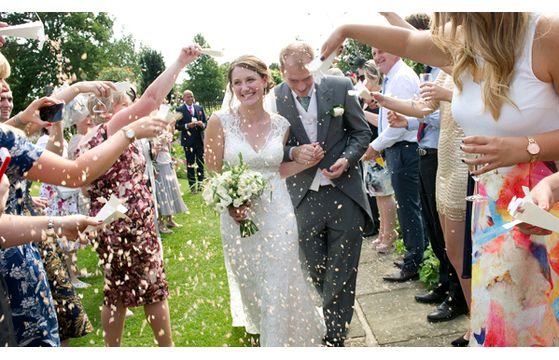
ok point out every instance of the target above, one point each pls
(386, 314)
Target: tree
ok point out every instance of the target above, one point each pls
(352, 53)
(205, 77)
(152, 65)
(79, 46)
(276, 73)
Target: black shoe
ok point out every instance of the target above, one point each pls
(373, 232)
(401, 276)
(399, 264)
(446, 312)
(333, 342)
(460, 342)
(432, 297)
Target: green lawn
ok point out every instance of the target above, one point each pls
(199, 299)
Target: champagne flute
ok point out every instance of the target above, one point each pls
(476, 197)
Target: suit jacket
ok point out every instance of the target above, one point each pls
(346, 136)
(193, 137)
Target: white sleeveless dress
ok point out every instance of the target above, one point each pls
(270, 293)
(515, 277)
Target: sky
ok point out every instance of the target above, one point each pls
(256, 27)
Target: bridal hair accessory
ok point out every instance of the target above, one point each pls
(336, 111)
(236, 186)
(319, 68)
(33, 30)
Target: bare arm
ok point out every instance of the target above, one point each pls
(18, 230)
(56, 139)
(412, 44)
(53, 169)
(395, 20)
(214, 144)
(155, 93)
(414, 108)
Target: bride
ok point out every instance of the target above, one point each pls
(270, 293)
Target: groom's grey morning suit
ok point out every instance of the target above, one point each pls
(331, 215)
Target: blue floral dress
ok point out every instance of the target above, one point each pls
(33, 313)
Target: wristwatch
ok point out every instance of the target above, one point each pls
(130, 134)
(533, 149)
(50, 233)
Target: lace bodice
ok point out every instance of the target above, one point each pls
(268, 158)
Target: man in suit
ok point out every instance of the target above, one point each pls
(192, 125)
(329, 199)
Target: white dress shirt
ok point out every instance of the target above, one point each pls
(402, 83)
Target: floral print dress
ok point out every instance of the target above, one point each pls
(128, 248)
(32, 307)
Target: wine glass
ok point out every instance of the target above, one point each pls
(476, 197)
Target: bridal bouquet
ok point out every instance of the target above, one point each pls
(237, 185)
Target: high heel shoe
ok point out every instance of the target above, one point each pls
(460, 342)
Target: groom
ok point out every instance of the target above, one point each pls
(329, 199)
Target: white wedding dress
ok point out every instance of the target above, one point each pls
(271, 295)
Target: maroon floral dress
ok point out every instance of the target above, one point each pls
(128, 248)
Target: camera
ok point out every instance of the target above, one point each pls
(52, 113)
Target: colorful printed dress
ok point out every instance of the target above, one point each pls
(515, 277)
(33, 313)
(128, 248)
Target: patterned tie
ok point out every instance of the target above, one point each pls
(304, 101)
(421, 131)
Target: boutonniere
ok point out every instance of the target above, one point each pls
(336, 111)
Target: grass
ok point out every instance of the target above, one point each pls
(199, 299)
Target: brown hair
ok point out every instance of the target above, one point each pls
(252, 63)
(496, 37)
(420, 21)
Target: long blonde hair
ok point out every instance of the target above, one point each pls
(496, 37)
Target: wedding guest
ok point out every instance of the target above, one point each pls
(506, 85)
(6, 103)
(169, 196)
(380, 187)
(191, 126)
(34, 318)
(400, 152)
(129, 248)
(270, 293)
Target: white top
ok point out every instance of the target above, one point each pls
(537, 103)
(401, 82)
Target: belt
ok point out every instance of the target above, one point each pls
(425, 152)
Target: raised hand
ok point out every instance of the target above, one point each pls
(98, 88)
(333, 43)
(189, 54)
(31, 114)
(148, 127)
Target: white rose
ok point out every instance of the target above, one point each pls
(338, 111)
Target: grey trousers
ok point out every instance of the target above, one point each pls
(330, 236)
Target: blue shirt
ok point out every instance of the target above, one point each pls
(430, 138)
(33, 313)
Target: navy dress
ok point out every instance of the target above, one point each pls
(32, 307)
